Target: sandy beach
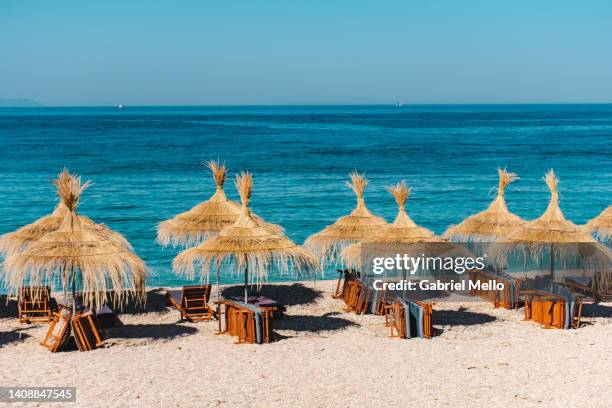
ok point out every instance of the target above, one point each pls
(325, 358)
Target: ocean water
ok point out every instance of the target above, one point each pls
(146, 163)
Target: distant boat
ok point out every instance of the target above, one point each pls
(119, 106)
(399, 104)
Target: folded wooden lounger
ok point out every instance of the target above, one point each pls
(348, 275)
(554, 307)
(82, 325)
(591, 288)
(34, 304)
(250, 323)
(508, 298)
(411, 318)
(192, 302)
(58, 333)
(86, 334)
(357, 295)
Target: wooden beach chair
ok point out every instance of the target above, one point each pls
(496, 297)
(398, 320)
(382, 305)
(240, 321)
(192, 302)
(247, 326)
(592, 289)
(399, 315)
(363, 299)
(86, 334)
(347, 274)
(549, 309)
(34, 304)
(603, 290)
(353, 290)
(58, 333)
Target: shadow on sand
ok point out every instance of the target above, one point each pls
(151, 331)
(459, 317)
(596, 310)
(8, 308)
(156, 302)
(288, 295)
(305, 323)
(13, 336)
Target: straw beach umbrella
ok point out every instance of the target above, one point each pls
(355, 227)
(19, 240)
(552, 232)
(250, 245)
(493, 224)
(601, 226)
(402, 235)
(76, 251)
(204, 220)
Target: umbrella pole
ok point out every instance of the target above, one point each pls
(552, 262)
(246, 280)
(73, 292)
(218, 296)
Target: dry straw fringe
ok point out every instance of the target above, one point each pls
(106, 271)
(403, 236)
(601, 226)
(349, 229)
(553, 231)
(248, 243)
(206, 219)
(494, 224)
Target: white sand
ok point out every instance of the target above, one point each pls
(327, 358)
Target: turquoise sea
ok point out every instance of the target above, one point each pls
(146, 162)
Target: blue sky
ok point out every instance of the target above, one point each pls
(305, 52)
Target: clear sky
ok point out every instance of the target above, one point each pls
(305, 51)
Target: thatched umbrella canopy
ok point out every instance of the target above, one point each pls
(601, 226)
(76, 251)
(493, 224)
(204, 220)
(355, 227)
(403, 235)
(18, 241)
(249, 245)
(552, 232)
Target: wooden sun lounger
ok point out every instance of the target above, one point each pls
(357, 296)
(192, 302)
(348, 275)
(363, 301)
(34, 304)
(381, 304)
(397, 316)
(58, 333)
(86, 334)
(497, 298)
(592, 290)
(240, 322)
(548, 309)
(603, 291)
